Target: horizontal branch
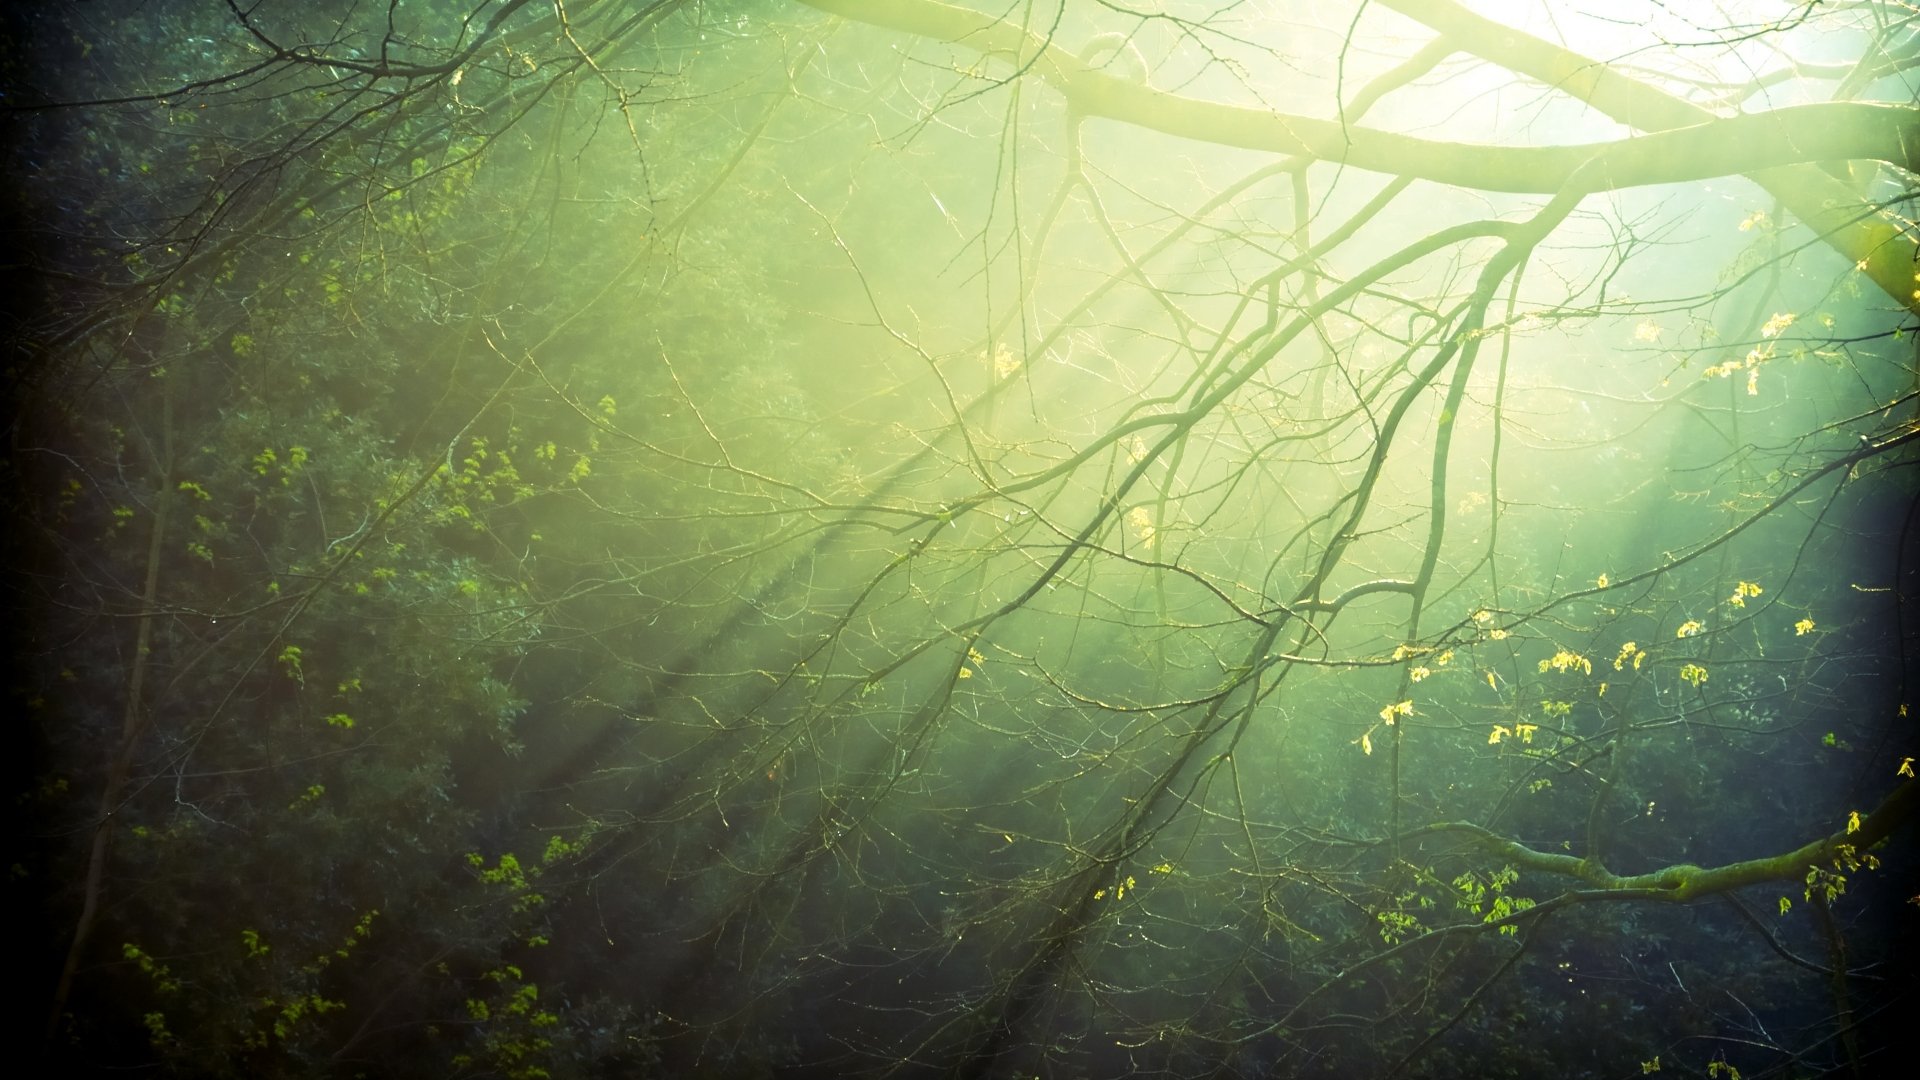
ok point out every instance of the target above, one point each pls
(1365, 588)
(1684, 881)
(1826, 131)
(1687, 142)
(1864, 234)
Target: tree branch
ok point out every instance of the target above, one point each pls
(1688, 144)
(1703, 148)
(1683, 881)
(1863, 233)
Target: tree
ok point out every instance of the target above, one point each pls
(858, 536)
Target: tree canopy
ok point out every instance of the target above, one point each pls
(909, 538)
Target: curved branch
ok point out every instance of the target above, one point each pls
(1705, 149)
(1879, 245)
(1352, 593)
(1689, 143)
(1683, 882)
(1773, 942)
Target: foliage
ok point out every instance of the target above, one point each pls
(828, 537)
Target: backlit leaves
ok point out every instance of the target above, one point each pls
(1564, 661)
(1522, 731)
(1005, 363)
(1141, 521)
(289, 661)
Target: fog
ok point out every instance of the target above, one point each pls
(685, 539)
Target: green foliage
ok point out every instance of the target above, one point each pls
(634, 547)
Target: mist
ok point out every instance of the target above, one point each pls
(846, 538)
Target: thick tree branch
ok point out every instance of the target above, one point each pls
(1702, 148)
(1688, 143)
(1872, 239)
(1683, 882)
